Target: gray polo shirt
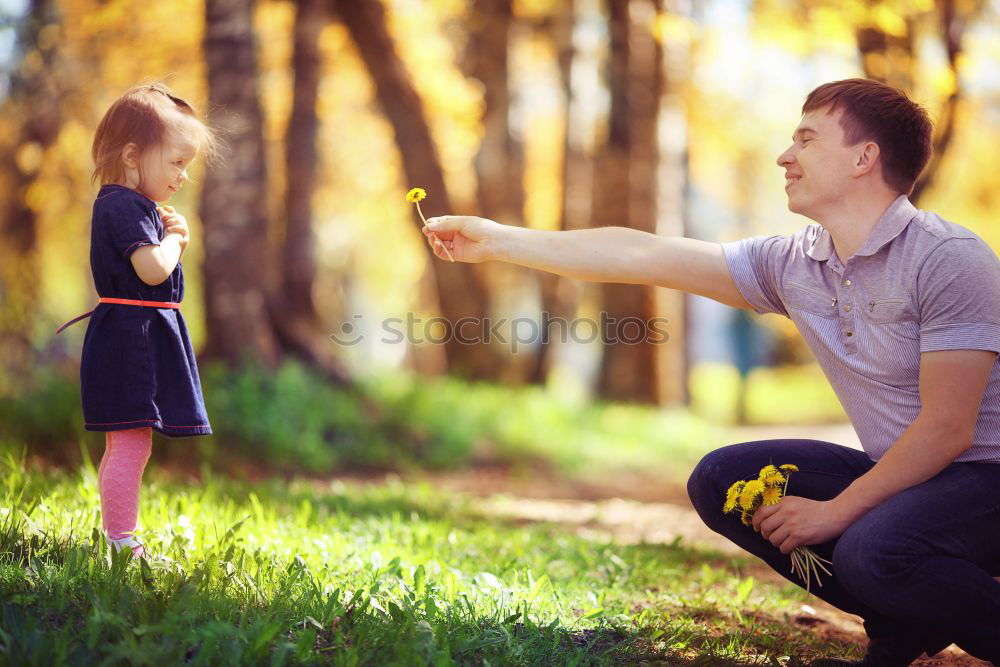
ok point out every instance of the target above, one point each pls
(918, 283)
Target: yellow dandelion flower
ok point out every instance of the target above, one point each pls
(746, 518)
(771, 476)
(732, 497)
(750, 493)
(771, 495)
(790, 468)
(774, 479)
(415, 195)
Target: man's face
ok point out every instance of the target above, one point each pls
(818, 166)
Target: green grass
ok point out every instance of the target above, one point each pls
(292, 420)
(300, 573)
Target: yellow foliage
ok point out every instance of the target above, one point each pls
(670, 28)
(453, 104)
(29, 157)
(738, 116)
(878, 64)
(535, 9)
(273, 23)
(943, 82)
(888, 21)
(832, 25)
(543, 172)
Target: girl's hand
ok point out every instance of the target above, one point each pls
(467, 238)
(174, 223)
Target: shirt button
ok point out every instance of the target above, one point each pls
(847, 282)
(849, 333)
(847, 309)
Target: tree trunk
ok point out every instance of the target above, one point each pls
(499, 162)
(953, 25)
(877, 48)
(461, 293)
(499, 187)
(34, 99)
(296, 321)
(234, 199)
(561, 296)
(622, 196)
(673, 357)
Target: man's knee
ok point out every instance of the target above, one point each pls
(866, 562)
(708, 481)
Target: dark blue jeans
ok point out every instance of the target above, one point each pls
(922, 563)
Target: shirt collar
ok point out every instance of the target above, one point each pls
(890, 225)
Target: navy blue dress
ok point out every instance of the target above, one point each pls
(138, 368)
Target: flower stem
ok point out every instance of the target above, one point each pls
(440, 243)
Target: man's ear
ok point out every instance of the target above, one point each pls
(130, 156)
(867, 158)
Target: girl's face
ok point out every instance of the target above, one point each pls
(161, 170)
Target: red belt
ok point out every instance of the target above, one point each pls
(122, 302)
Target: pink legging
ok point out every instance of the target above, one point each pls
(119, 479)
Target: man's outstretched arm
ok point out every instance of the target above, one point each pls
(604, 254)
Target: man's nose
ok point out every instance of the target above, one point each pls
(786, 158)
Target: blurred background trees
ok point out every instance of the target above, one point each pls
(662, 115)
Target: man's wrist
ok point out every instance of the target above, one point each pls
(503, 242)
(850, 505)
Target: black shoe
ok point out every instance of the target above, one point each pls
(887, 652)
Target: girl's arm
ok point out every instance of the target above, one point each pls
(154, 263)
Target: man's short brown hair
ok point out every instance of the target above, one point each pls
(873, 111)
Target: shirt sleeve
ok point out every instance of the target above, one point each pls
(958, 293)
(132, 224)
(754, 265)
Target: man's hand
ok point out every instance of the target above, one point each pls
(796, 522)
(467, 238)
(174, 223)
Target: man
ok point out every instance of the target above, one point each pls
(902, 310)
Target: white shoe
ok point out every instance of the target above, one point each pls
(138, 550)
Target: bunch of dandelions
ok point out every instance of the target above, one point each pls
(767, 489)
(414, 196)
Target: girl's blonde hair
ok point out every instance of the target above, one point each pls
(144, 116)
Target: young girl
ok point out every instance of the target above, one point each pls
(138, 370)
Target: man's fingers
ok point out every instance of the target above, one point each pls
(788, 545)
(441, 222)
(763, 512)
(445, 235)
(779, 536)
(769, 525)
(448, 224)
(439, 250)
